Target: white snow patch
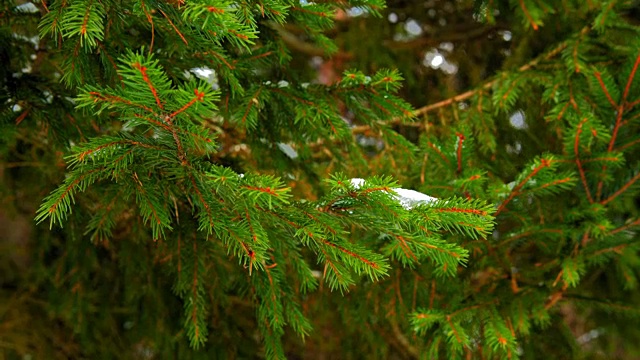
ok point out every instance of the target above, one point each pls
(203, 72)
(356, 11)
(27, 8)
(408, 198)
(517, 120)
(207, 75)
(357, 182)
(288, 150)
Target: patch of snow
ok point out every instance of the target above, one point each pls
(35, 40)
(27, 8)
(517, 120)
(208, 75)
(357, 182)
(408, 198)
(356, 11)
(204, 72)
(288, 150)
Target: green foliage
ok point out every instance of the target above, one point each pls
(202, 161)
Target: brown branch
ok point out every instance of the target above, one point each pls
(612, 142)
(175, 28)
(620, 111)
(295, 43)
(516, 191)
(633, 104)
(624, 227)
(145, 78)
(526, 13)
(453, 34)
(621, 190)
(576, 150)
(630, 80)
(605, 90)
(199, 97)
(22, 116)
(431, 107)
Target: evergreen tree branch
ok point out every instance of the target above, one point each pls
(576, 151)
(544, 163)
(632, 75)
(636, 222)
(604, 90)
(547, 56)
(621, 190)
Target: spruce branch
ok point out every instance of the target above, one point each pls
(488, 85)
(576, 151)
(539, 165)
(621, 190)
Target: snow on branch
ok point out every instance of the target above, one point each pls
(408, 198)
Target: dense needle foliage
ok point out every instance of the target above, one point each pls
(191, 168)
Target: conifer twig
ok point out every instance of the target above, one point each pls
(576, 150)
(465, 95)
(620, 107)
(626, 226)
(425, 109)
(621, 190)
(516, 191)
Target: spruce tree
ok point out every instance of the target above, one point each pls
(200, 191)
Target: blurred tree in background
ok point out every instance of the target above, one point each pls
(196, 161)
